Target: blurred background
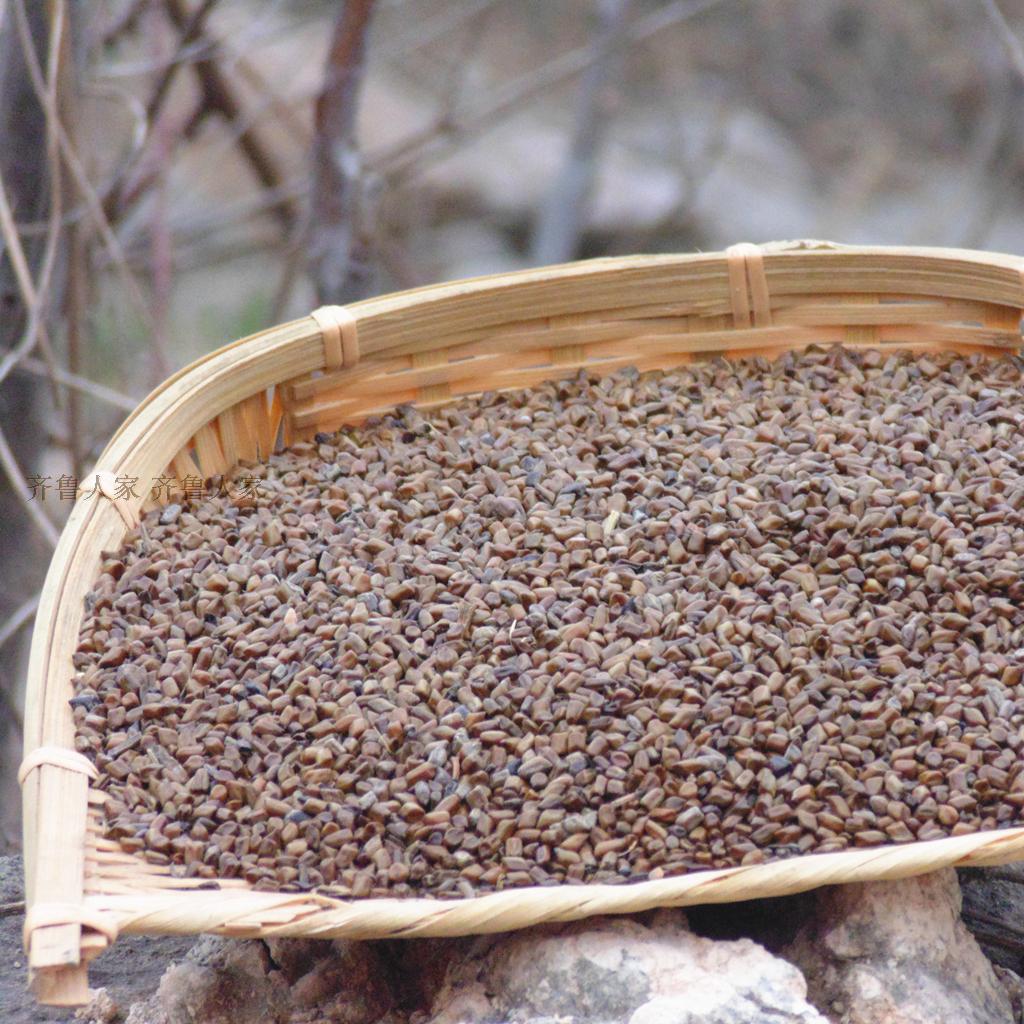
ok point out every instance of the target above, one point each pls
(175, 174)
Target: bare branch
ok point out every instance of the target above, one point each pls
(1012, 45)
(57, 44)
(32, 298)
(563, 212)
(118, 195)
(260, 27)
(76, 284)
(161, 256)
(20, 484)
(339, 234)
(18, 618)
(692, 169)
(140, 133)
(34, 294)
(190, 25)
(219, 96)
(439, 138)
(285, 111)
(85, 187)
(440, 27)
(76, 382)
(125, 24)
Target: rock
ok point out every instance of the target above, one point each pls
(417, 969)
(650, 971)
(146, 1012)
(215, 980)
(278, 981)
(882, 952)
(101, 1009)
(1013, 984)
(993, 909)
(344, 982)
(897, 953)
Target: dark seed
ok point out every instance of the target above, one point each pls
(602, 630)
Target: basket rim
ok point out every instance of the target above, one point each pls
(55, 798)
(245, 913)
(386, 307)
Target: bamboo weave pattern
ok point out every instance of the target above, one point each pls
(428, 346)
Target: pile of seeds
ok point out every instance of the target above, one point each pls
(602, 630)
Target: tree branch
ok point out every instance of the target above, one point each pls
(219, 96)
(563, 212)
(1012, 45)
(18, 618)
(76, 382)
(74, 165)
(339, 243)
(10, 466)
(447, 133)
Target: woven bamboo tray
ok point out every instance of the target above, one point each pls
(427, 346)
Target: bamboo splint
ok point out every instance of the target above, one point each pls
(427, 347)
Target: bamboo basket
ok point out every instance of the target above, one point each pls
(427, 346)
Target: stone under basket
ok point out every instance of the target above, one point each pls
(428, 346)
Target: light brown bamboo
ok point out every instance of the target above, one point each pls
(425, 346)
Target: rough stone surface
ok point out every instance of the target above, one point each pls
(102, 1009)
(622, 970)
(1013, 984)
(885, 952)
(614, 970)
(277, 982)
(897, 953)
(347, 983)
(993, 908)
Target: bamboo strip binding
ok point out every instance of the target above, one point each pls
(105, 485)
(748, 286)
(58, 757)
(340, 336)
(340, 365)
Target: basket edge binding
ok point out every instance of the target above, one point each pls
(738, 286)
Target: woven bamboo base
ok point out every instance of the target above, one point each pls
(428, 346)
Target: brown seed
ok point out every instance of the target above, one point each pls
(598, 630)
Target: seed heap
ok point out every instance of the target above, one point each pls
(598, 631)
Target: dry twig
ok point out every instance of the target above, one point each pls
(447, 133)
(563, 212)
(18, 618)
(125, 23)
(130, 183)
(34, 294)
(10, 466)
(76, 382)
(219, 96)
(1012, 45)
(339, 234)
(36, 330)
(75, 292)
(74, 165)
(276, 104)
(440, 27)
